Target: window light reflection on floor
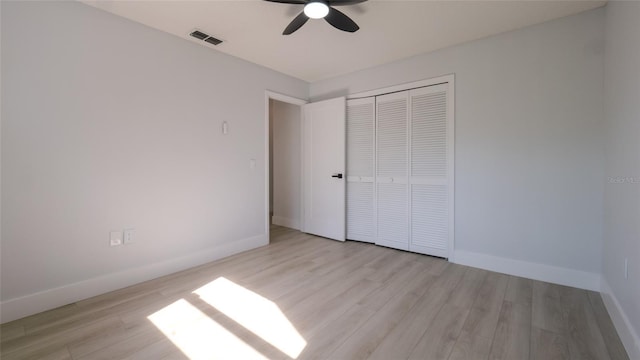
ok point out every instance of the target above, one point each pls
(254, 312)
(198, 336)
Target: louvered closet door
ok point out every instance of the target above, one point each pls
(360, 169)
(391, 170)
(430, 170)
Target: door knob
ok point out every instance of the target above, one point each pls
(339, 176)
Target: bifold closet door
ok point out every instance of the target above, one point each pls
(431, 170)
(400, 170)
(391, 170)
(360, 170)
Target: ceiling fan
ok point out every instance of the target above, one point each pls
(319, 9)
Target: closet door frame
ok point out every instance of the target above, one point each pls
(450, 80)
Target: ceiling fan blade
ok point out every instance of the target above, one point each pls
(343, 2)
(341, 21)
(295, 24)
(296, 2)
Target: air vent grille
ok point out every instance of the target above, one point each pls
(199, 35)
(205, 37)
(212, 40)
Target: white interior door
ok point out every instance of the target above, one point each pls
(323, 153)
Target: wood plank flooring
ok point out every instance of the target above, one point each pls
(313, 298)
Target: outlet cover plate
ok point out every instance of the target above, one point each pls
(115, 238)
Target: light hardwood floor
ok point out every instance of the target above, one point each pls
(308, 297)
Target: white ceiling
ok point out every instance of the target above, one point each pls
(389, 30)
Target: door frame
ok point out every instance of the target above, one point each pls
(449, 78)
(272, 95)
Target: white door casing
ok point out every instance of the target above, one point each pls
(270, 95)
(323, 153)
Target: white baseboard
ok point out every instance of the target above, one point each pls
(627, 333)
(286, 222)
(20, 307)
(535, 271)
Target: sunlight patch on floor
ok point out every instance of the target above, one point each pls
(198, 336)
(256, 313)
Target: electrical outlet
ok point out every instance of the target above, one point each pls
(129, 235)
(115, 238)
(626, 268)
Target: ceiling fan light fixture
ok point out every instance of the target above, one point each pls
(316, 9)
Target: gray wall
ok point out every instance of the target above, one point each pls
(529, 150)
(108, 124)
(622, 189)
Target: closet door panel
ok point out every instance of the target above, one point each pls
(429, 219)
(430, 127)
(392, 135)
(360, 137)
(393, 224)
(429, 134)
(361, 169)
(391, 170)
(360, 211)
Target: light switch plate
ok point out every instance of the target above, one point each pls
(129, 235)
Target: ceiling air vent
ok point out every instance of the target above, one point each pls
(212, 40)
(199, 35)
(202, 36)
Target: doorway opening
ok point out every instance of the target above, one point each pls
(284, 161)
